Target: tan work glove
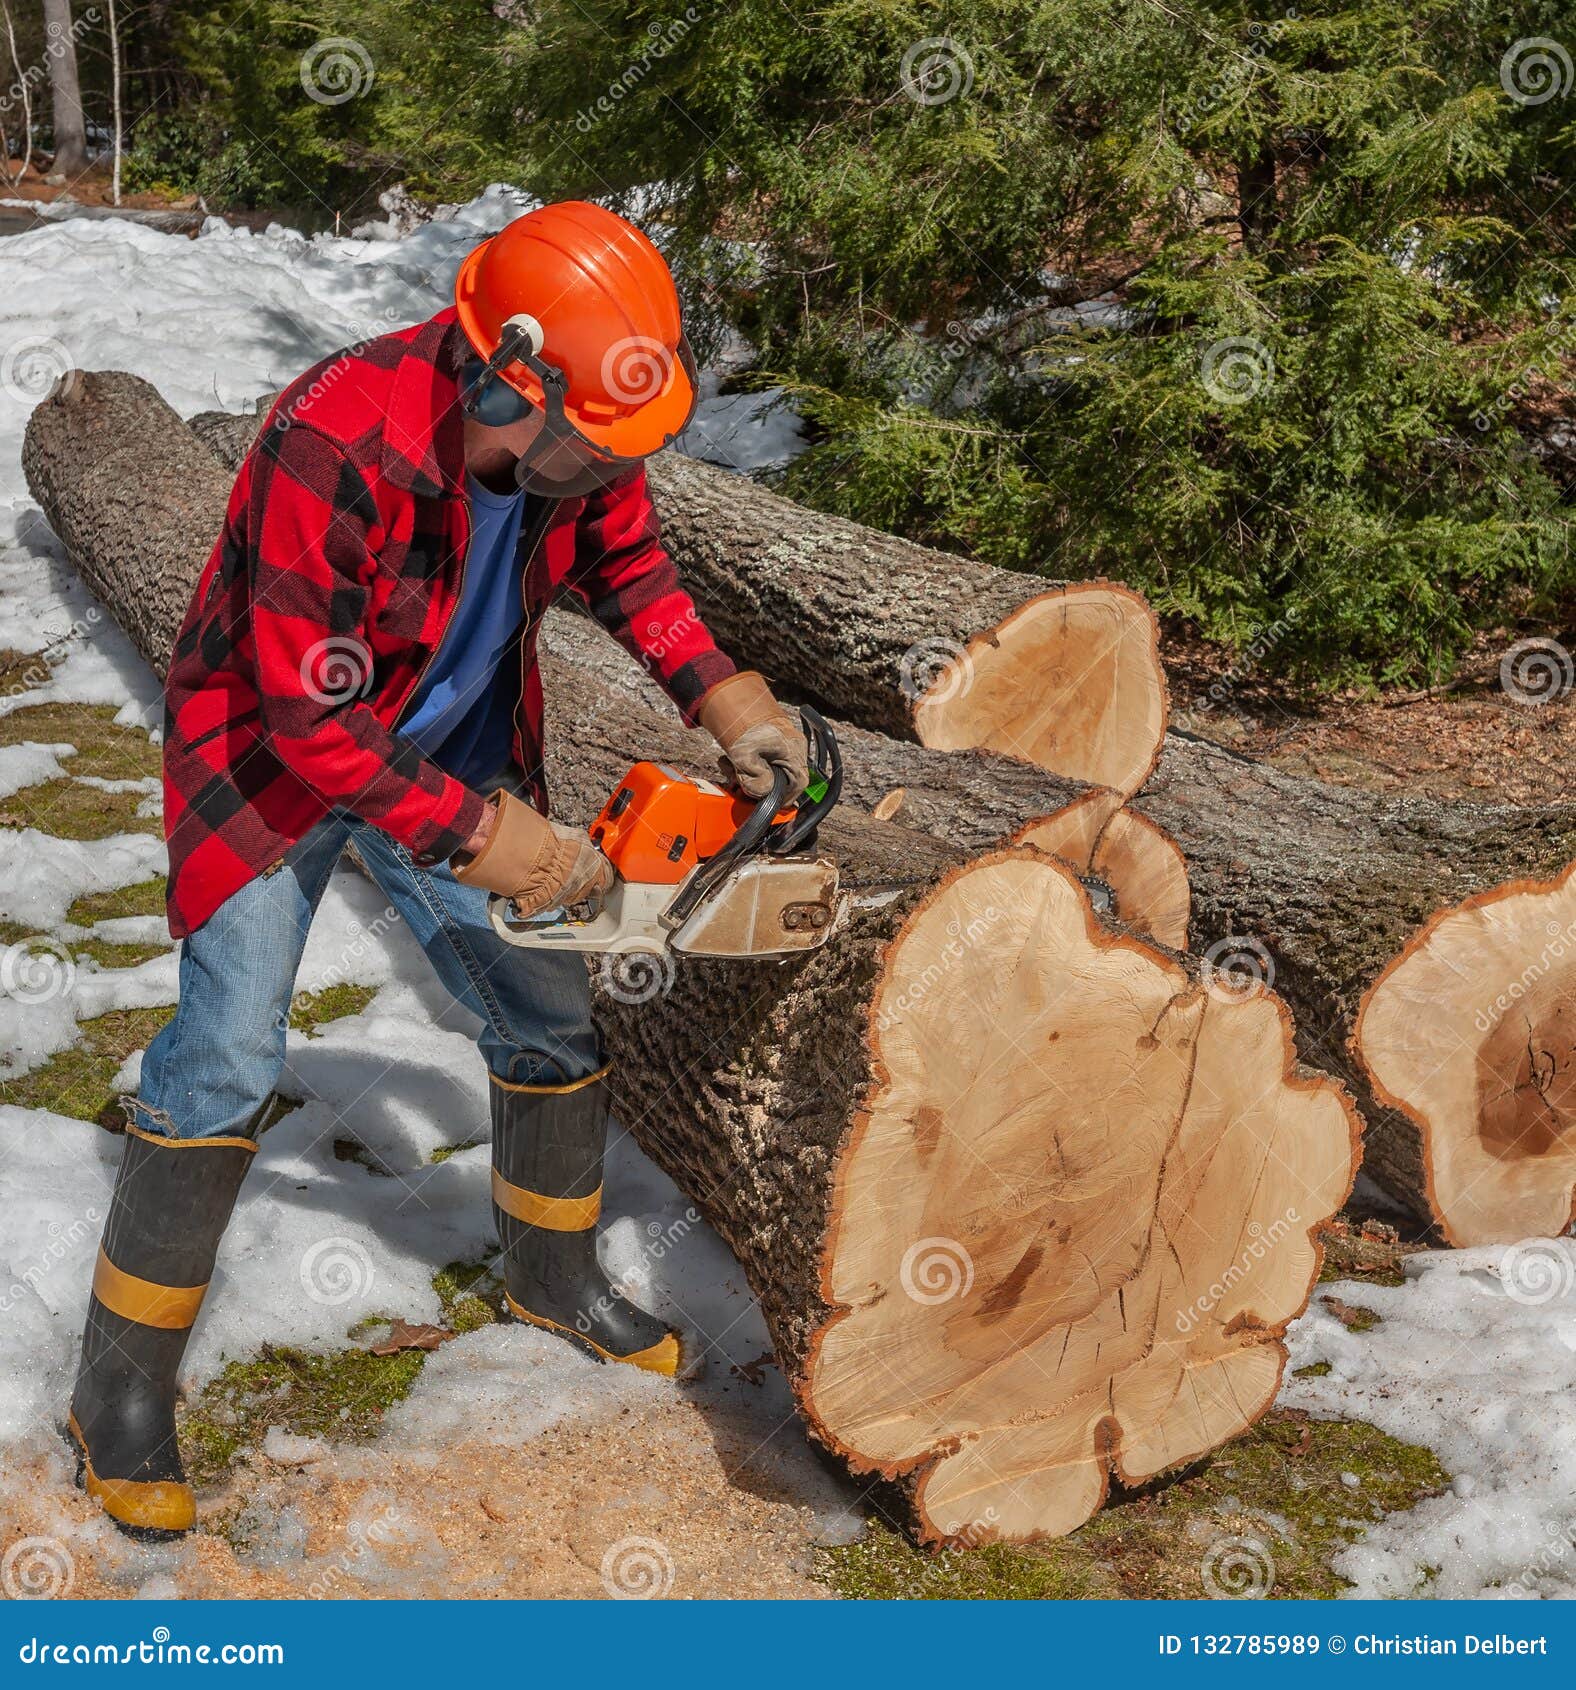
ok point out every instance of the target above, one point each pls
(538, 863)
(756, 735)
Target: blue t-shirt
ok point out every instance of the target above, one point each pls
(461, 715)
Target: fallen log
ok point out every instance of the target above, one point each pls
(915, 643)
(1312, 889)
(1471, 1033)
(1025, 1203)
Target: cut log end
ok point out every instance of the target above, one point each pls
(1075, 1217)
(1471, 1033)
(1071, 681)
(1136, 858)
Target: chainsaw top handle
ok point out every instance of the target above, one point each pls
(760, 831)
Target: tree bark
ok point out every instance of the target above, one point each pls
(1026, 1205)
(65, 89)
(135, 496)
(915, 643)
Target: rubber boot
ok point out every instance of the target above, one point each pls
(171, 1204)
(547, 1193)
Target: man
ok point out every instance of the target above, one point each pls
(358, 665)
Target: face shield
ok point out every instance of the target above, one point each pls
(563, 461)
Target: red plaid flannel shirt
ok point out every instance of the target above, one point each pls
(329, 591)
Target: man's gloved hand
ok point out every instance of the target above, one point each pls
(538, 863)
(756, 735)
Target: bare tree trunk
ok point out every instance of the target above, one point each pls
(65, 88)
(25, 91)
(114, 64)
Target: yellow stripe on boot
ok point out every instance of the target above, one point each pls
(554, 1214)
(171, 1307)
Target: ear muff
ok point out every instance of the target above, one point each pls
(494, 404)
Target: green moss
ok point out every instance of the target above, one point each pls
(445, 1151)
(110, 752)
(145, 898)
(311, 1010)
(66, 808)
(470, 1293)
(341, 1396)
(1314, 1370)
(69, 810)
(108, 955)
(1280, 1484)
(77, 1082)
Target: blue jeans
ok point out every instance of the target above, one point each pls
(215, 1064)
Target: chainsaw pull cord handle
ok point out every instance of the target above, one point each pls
(748, 840)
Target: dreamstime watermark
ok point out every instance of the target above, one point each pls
(364, 1540)
(662, 36)
(1553, 1556)
(636, 1569)
(39, 669)
(1559, 943)
(1536, 672)
(963, 939)
(66, 1238)
(337, 669)
(936, 1270)
(336, 368)
(1261, 1241)
(1266, 638)
(1536, 70)
(336, 69)
(935, 670)
(1237, 967)
(637, 975)
(1538, 1271)
(360, 938)
(659, 1240)
(935, 70)
(37, 970)
(21, 90)
(1241, 66)
(336, 1270)
(1237, 369)
(37, 1569)
(31, 367)
(637, 369)
(1238, 1569)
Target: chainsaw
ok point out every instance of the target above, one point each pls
(702, 871)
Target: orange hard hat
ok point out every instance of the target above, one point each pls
(608, 311)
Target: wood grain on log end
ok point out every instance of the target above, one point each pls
(1470, 1033)
(1071, 681)
(1075, 1216)
(1136, 858)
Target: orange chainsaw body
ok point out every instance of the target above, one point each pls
(658, 825)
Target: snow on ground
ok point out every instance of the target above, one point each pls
(1475, 1357)
(1465, 1358)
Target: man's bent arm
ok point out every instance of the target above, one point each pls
(628, 582)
